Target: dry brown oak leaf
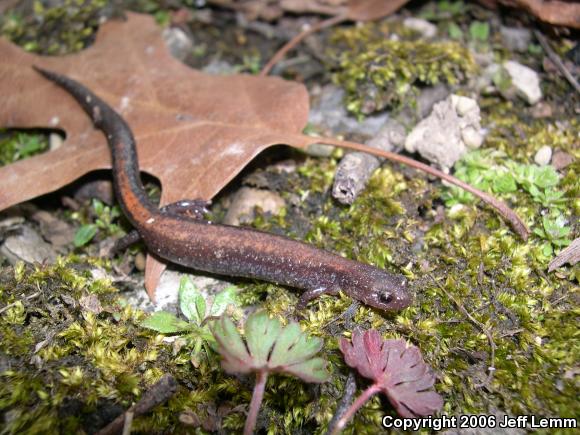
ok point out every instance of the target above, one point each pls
(194, 132)
(269, 10)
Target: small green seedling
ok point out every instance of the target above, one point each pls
(105, 221)
(444, 10)
(18, 146)
(397, 370)
(488, 171)
(269, 348)
(555, 231)
(199, 311)
(454, 31)
(479, 31)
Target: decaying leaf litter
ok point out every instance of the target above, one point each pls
(513, 322)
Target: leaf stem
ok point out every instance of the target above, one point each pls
(358, 403)
(257, 396)
(508, 214)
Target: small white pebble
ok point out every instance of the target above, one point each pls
(543, 155)
(525, 80)
(471, 137)
(150, 221)
(125, 103)
(424, 27)
(463, 105)
(55, 141)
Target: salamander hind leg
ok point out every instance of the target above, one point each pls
(124, 242)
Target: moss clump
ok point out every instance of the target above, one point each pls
(65, 27)
(377, 72)
(63, 365)
(513, 131)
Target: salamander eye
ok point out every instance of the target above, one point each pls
(386, 298)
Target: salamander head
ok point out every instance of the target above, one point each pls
(384, 291)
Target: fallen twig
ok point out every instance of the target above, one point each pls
(569, 255)
(349, 390)
(279, 55)
(159, 393)
(32, 296)
(357, 10)
(480, 326)
(556, 60)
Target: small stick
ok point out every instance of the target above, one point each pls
(128, 423)
(349, 390)
(569, 255)
(32, 296)
(556, 59)
(279, 55)
(159, 393)
(480, 326)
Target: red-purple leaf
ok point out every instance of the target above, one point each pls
(397, 369)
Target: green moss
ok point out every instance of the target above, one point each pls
(377, 72)
(58, 352)
(64, 28)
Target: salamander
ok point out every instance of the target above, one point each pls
(222, 249)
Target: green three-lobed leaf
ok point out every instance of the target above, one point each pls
(270, 347)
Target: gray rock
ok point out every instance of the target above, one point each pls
(178, 42)
(543, 156)
(525, 80)
(219, 67)
(27, 245)
(425, 28)
(444, 136)
(320, 150)
(245, 202)
(329, 112)
(429, 96)
(516, 38)
(55, 141)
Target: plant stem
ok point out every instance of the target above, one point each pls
(257, 396)
(279, 55)
(360, 401)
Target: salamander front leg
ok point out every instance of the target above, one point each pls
(192, 208)
(308, 295)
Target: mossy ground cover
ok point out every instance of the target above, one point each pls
(499, 331)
